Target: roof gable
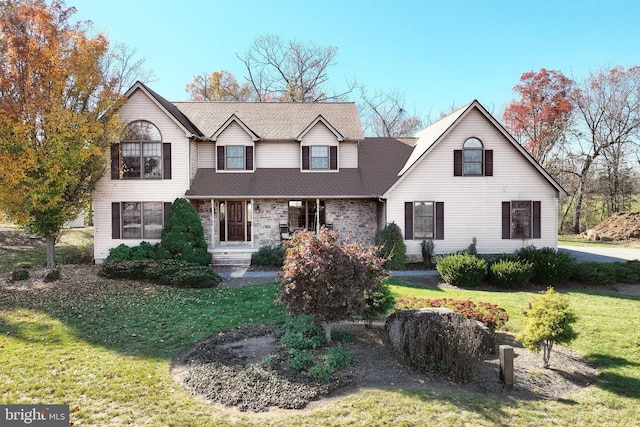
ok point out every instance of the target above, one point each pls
(234, 119)
(276, 120)
(431, 136)
(170, 109)
(322, 120)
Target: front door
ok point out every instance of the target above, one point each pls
(235, 221)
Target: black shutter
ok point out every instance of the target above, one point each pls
(115, 161)
(506, 220)
(165, 213)
(115, 220)
(457, 162)
(249, 158)
(166, 160)
(333, 158)
(536, 220)
(305, 158)
(439, 234)
(488, 162)
(408, 220)
(220, 157)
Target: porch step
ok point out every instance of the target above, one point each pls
(232, 257)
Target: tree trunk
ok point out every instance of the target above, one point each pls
(327, 331)
(51, 251)
(579, 196)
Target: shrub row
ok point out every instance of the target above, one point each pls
(599, 273)
(492, 316)
(272, 256)
(544, 266)
(166, 272)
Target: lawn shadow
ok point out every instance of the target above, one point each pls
(614, 382)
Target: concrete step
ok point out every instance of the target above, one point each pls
(232, 257)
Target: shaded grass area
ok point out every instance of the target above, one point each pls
(106, 348)
(74, 246)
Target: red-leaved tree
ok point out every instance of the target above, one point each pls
(541, 116)
(327, 279)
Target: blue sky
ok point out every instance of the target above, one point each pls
(439, 53)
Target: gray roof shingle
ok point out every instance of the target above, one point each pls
(274, 120)
(380, 161)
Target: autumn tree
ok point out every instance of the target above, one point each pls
(57, 115)
(219, 86)
(328, 279)
(384, 114)
(289, 71)
(539, 120)
(608, 109)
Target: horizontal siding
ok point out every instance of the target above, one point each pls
(139, 107)
(234, 135)
(319, 134)
(270, 154)
(206, 155)
(348, 155)
(472, 205)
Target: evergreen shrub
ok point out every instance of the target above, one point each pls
(391, 243)
(550, 267)
(510, 273)
(462, 269)
(183, 235)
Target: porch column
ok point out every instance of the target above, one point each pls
(213, 223)
(253, 221)
(317, 216)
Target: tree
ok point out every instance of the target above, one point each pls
(327, 279)
(289, 71)
(219, 86)
(384, 114)
(547, 321)
(539, 120)
(57, 115)
(183, 235)
(608, 107)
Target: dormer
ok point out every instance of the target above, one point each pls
(235, 146)
(319, 143)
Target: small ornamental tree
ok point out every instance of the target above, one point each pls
(547, 321)
(327, 279)
(183, 235)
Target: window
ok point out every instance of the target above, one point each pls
(521, 219)
(303, 214)
(139, 220)
(424, 220)
(319, 157)
(141, 154)
(473, 159)
(235, 157)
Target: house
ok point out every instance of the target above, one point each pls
(256, 172)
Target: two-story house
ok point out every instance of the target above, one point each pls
(256, 172)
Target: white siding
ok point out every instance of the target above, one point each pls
(206, 155)
(234, 135)
(139, 107)
(348, 155)
(272, 154)
(473, 205)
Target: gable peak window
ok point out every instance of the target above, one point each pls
(472, 154)
(141, 153)
(473, 159)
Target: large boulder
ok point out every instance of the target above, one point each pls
(438, 340)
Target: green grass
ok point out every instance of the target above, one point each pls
(74, 246)
(107, 353)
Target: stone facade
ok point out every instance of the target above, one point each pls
(355, 218)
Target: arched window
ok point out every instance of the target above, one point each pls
(472, 156)
(141, 151)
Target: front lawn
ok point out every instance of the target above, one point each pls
(105, 348)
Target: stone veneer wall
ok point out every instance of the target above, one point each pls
(203, 208)
(355, 216)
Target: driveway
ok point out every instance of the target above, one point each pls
(600, 254)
